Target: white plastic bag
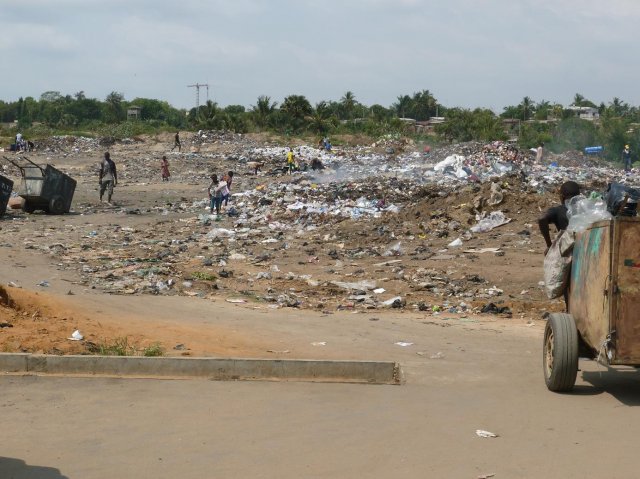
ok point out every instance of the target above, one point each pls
(557, 265)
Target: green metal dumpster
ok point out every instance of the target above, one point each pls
(6, 185)
(46, 189)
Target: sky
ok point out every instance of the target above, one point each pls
(467, 53)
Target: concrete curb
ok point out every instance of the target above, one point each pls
(221, 369)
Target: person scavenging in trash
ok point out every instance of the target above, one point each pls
(164, 169)
(557, 215)
(626, 158)
(176, 142)
(108, 177)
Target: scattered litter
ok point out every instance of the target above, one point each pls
(284, 351)
(455, 243)
(363, 285)
(319, 343)
(44, 284)
(395, 302)
(403, 344)
(485, 434)
(76, 336)
(438, 355)
(482, 250)
(236, 300)
(492, 308)
(493, 220)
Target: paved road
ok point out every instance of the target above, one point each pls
(105, 428)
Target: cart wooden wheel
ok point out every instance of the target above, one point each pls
(28, 207)
(56, 205)
(560, 352)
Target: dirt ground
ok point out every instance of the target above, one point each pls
(105, 269)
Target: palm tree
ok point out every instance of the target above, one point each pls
(542, 110)
(423, 105)
(527, 107)
(403, 106)
(296, 108)
(618, 107)
(320, 119)
(115, 110)
(263, 110)
(348, 103)
(578, 100)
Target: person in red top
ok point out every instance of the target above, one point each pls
(164, 167)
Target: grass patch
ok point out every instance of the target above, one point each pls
(119, 347)
(153, 351)
(204, 276)
(122, 346)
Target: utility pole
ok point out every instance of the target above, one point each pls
(197, 87)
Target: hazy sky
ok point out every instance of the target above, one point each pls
(468, 53)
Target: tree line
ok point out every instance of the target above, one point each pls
(529, 122)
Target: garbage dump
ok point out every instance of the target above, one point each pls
(440, 239)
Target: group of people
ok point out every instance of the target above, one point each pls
(22, 144)
(324, 144)
(219, 191)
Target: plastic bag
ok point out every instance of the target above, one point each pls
(395, 250)
(583, 212)
(615, 196)
(557, 264)
(493, 220)
(453, 160)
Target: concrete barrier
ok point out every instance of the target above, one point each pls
(372, 372)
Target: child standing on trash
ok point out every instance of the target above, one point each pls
(557, 215)
(164, 167)
(211, 190)
(626, 158)
(229, 181)
(218, 189)
(291, 162)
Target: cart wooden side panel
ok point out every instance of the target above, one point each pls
(590, 273)
(626, 291)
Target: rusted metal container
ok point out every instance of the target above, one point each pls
(46, 189)
(6, 186)
(603, 321)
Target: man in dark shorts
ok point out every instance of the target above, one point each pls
(176, 142)
(557, 215)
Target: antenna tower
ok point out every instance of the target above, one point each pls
(197, 86)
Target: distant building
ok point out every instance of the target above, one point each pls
(133, 112)
(585, 112)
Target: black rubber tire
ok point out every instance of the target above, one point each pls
(560, 352)
(56, 205)
(28, 207)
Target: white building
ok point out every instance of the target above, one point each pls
(585, 112)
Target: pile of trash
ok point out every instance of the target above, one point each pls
(67, 144)
(369, 230)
